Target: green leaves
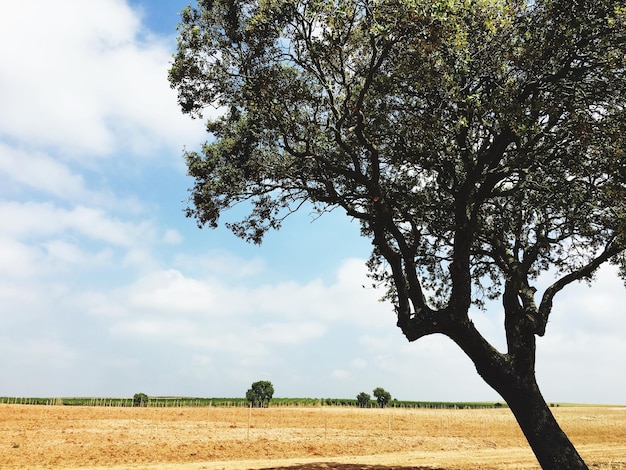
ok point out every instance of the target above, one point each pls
(260, 393)
(479, 142)
(382, 396)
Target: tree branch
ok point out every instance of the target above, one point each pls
(545, 307)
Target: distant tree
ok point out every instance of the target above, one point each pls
(363, 400)
(480, 144)
(140, 399)
(260, 393)
(382, 396)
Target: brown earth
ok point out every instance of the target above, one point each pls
(97, 438)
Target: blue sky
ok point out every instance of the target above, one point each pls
(107, 290)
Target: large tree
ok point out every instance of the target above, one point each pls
(479, 143)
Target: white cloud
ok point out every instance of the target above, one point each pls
(46, 350)
(248, 324)
(44, 241)
(87, 81)
(295, 333)
(359, 363)
(169, 291)
(34, 219)
(172, 237)
(343, 301)
(584, 341)
(597, 306)
(219, 263)
(340, 374)
(38, 171)
(17, 260)
(212, 323)
(103, 304)
(65, 255)
(35, 174)
(156, 329)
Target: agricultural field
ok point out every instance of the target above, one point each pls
(305, 438)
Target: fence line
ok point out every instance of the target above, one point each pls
(181, 402)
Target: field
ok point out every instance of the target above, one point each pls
(194, 438)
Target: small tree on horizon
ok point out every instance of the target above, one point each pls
(363, 400)
(140, 399)
(382, 396)
(260, 393)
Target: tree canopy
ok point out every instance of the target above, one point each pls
(140, 399)
(479, 143)
(363, 400)
(260, 393)
(382, 396)
(496, 125)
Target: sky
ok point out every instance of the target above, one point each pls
(106, 289)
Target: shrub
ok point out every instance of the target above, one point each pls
(140, 399)
(363, 400)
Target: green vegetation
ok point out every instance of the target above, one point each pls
(363, 400)
(162, 402)
(140, 399)
(260, 394)
(180, 401)
(382, 396)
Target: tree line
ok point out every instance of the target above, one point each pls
(144, 400)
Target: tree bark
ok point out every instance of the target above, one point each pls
(553, 449)
(515, 381)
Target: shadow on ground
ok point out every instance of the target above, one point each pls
(347, 466)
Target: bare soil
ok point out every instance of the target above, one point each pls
(98, 438)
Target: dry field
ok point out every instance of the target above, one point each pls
(57, 437)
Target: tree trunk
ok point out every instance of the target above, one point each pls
(551, 446)
(515, 381)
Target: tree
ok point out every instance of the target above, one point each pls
(363, 400)
(260, 393)
(382, 396)
(140, 399)
(480, 144)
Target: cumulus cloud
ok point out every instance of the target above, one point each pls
(170, 292)
(283, 313)
(242, 325)
(34, 219)
(78, 84)
(219, 263)
(340, 374)
(87, 83)
(345, 301)
(584, 340)
(17, 260)
(359, 363)
(172, 237)
(37, 170)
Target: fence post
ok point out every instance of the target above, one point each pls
(249, 419)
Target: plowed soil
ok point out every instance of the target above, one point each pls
(58, 437)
